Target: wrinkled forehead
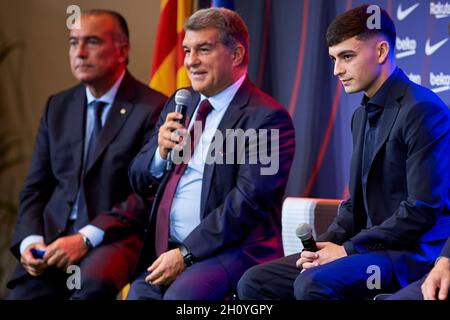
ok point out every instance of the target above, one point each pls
(194, 38)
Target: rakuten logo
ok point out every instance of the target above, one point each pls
(440, 10)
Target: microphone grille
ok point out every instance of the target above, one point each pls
(303, 231)
(183, 97)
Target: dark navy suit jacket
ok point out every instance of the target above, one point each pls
(240, 208)
(408, 184)
(446, 251)
(53, 179)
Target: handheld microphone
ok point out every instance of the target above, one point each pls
(182, 99)
(304, 233)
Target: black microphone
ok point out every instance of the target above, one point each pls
(304, 233)
(182, 99)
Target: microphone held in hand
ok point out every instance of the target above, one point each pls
(304, 233)
(182, 100)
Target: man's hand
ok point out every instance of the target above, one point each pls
(327, 252)
(307, 260)
(33, 266)
(166, 268)
(65, 251)
(437, 283)
(167, 136)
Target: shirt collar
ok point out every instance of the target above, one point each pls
(224, 98)
(380, 97)
(109, 96)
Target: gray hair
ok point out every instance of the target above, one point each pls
(231, 27)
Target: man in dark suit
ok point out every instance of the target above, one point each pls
(397, 218)
(87, 137)
(433, 286)
(211, 220)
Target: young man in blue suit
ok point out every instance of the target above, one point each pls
(87, 137)
(211, 220)
(397, 218)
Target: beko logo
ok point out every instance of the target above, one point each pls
(406, 47)
(440, 82)
(415, 78)
(440, 10)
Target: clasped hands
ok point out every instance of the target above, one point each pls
(61, 253)
(328, 251)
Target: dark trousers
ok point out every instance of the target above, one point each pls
(410, 292)
(204, 280)
(103, 273)
(351, 277)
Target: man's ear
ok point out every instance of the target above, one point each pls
(124, 50)
(383, 51)
(238, 55)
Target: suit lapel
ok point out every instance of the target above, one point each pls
(388, 119)
(76, 110)
(120, 110)
(391, 109)
(235, 109)
(232, 115)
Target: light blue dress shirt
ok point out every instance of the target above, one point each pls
(94, 234)
(185, 210)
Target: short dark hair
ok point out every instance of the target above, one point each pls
(232, 28)
(120, 20)
(354, 23)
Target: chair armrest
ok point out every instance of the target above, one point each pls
(318, 213)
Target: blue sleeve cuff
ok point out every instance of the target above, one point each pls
(157, 165)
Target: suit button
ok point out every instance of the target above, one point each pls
(59, 230)
(145, 230)
(150, 186)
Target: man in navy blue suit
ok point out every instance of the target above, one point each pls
(395, 223)
(211, 220)
(87, 137)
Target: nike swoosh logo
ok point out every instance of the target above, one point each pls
(430, 49)
(402, 14)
